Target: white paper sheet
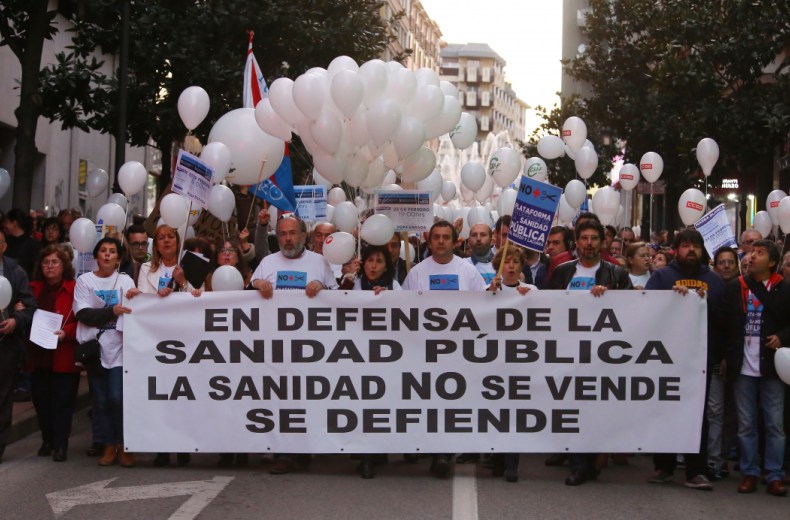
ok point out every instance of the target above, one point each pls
(42, 331)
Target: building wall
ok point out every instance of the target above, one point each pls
(56, 177)
(416, 31)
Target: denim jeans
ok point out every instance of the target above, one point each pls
(107, 397)
(715, 413)
(768, 393)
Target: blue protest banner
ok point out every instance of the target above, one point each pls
(536, 204)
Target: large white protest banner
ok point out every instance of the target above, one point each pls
(349, 371)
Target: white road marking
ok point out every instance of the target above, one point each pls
(465, 492)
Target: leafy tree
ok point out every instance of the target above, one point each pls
(662, 75)
(179, 43)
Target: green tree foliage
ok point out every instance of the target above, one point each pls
(179, 43)
(662, 75)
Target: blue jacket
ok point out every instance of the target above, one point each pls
(668, 277)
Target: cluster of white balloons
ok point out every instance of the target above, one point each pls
(777, 214)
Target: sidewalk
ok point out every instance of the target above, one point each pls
(23, 418)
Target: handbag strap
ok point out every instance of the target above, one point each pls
(763, 295)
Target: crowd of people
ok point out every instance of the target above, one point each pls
(747, 297)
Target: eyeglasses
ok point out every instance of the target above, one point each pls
(228, 250)
(725, 262)
(747, 241)
(139, 245)
(50, 262)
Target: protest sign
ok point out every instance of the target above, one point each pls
(192, 179)
(716, 230)
(310, 202)
(536, 204)
(351, 371)
(409, 210)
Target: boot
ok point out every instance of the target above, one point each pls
(108, 458)
(125, 458)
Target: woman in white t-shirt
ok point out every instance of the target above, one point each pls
(98, 306)
(638, 262)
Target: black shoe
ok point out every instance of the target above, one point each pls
(441, 466)
(161, 460)
(45, 450)
(511, 475)
(59, 455)
(467, 458)
(576, 479)
(366, 467)
(557, 459)
(225, 460)
(242, 459)
(96, 450)
(182, 458)
(2, 451)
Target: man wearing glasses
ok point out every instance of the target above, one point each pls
(748, 237)
(137, 239)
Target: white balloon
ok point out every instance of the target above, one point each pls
(574, 133)
(446, 120)
(336, 196)
(221, 202)
(391, 187)
(132, 177)
(356, 129)
(433, 183)
(637, 229)
(409, 137)
(535, 168)
(619, 221)
(504, 166)
(270, 122)
(629, 176)
(174, 210)
(330, 212)
(586, 162)
(341, 63)
(507, 201)
(332, 167)
(691, 206)
(281, 97)
(377, 230)
(390, 178)
(401, 87)
(339, 247)
(327, 131)
(784, 215)
(112, 214)
(249, 146)
(465, 131)
(782, 364)
(383, 120)
(346, 89)
(319, 180)
(6, 292)
(566, 212)
(419, 165)
(448, 89)
(473, 175)
(97, 182)
(404, 247)
(376, 173)
(448, 191)
(762, 223)
(374, 77)
(193, 105)
(707, 155)
(651, 165)
(427, 103)
(5, 182)
(356, 170)
(226, 278)
(772, 205)
(605, 204)
(82, 235)
(485, 191)
(118, 198)
(217, 156)
(308, 94)
(477, 215)
(575, 193)
(551, 147)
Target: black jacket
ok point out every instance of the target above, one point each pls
(610, 275)
(20, 292)
(734, 321)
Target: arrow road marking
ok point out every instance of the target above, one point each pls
(202, 493)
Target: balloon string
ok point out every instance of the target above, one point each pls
(255, 195)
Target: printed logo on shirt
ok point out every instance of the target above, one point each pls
(291, 280)
(488, 277)
(110, 298)
(444, 282)
(754, 310)
(692, 284)
(581, 283)
(164, 281)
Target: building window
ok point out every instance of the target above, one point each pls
(485, 98)
(484, 126)
(487, 75)
(471, 99)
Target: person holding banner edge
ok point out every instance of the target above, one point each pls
(589, 272)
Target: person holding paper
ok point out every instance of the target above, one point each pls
(98, 305)
(162, 275)
(55, 376)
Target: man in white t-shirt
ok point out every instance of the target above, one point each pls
(293, 267)
(443, 271)
(480, 242)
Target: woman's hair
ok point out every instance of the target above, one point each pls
(110, 240)
(513, 251)
(666, 253)
(389, 271)
(52, 221)
(65, 256)
(630, 252)
(156, 258)
(242, 265)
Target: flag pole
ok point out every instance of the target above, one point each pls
(257, 187)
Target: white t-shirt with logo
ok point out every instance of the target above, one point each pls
(455, 275)
(94, 292)
(486, 270)
(584, 277)
(751, 336)
(292, 274)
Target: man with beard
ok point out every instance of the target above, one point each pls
(689, 272)
(480, 243)
(292, 268)
(757, 325)
(588, 273)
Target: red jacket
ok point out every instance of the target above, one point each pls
(62, 358)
